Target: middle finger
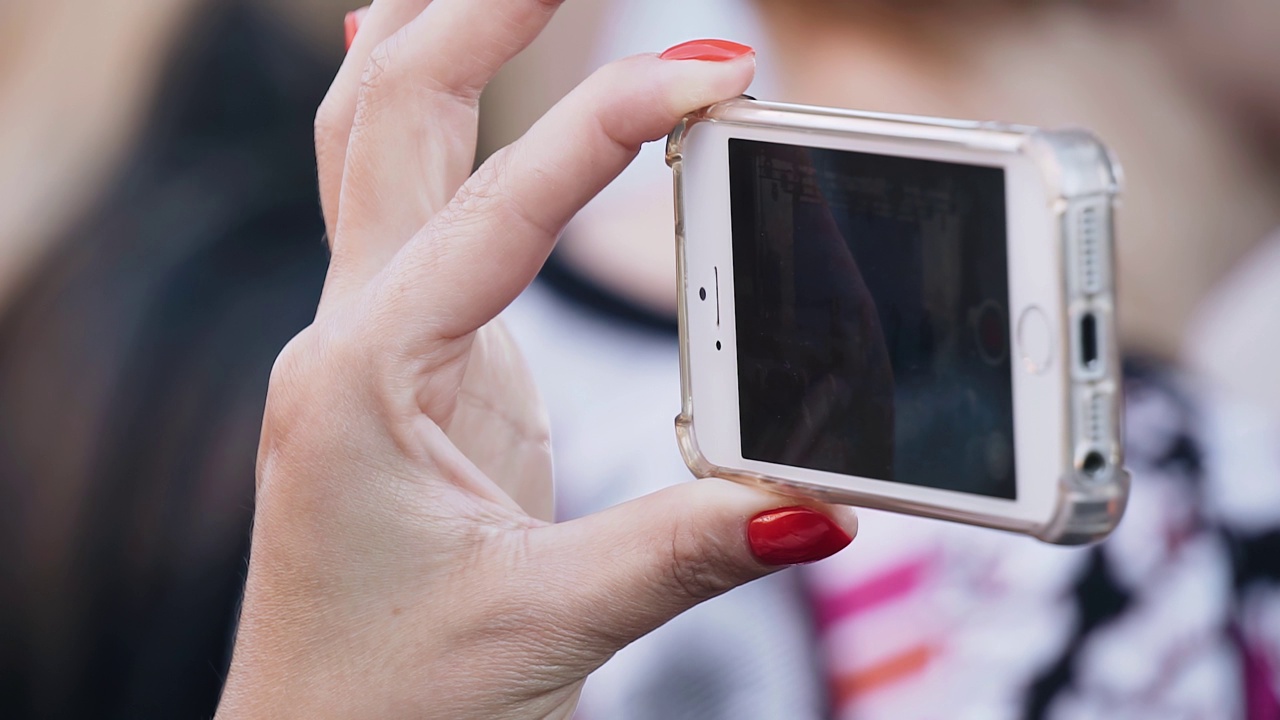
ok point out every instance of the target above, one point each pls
(413, 139)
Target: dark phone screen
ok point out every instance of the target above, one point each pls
(872, 298)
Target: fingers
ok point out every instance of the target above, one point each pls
(366, 29)
(486, 246)
(413, 133)
(631, 568)
(351, 25)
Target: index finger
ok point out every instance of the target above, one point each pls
(489, 242)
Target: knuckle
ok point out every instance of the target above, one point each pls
(330, 137)
(285, 408)
(287, 366)
(325, 124)
(318, 391)
(477, 204)
(288, 382)
(487, 196)
(308, 374)
(614, 74)
(293, 427)
(483, 188)
(697, 567)
(378, 80)
(395, 69)
(381, 62)
(382, 68)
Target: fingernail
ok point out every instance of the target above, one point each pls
(714, 50)
(352, 24)
(793, 535)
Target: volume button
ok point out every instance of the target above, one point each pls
(677, 169)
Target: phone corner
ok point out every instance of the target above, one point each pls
(1075, 162)
(679, 135)
(1087, 510)
(675, 143)
(687, 441)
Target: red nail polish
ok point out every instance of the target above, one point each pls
(714, 50)
(351, 24)
(793, 535)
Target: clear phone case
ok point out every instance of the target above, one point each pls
(1087, 180)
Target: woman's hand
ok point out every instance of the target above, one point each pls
(403, 560)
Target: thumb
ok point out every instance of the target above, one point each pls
(631, 568)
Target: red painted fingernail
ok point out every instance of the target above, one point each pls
(352, 24)
(793, 535)
(715, 50)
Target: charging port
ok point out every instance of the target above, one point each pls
(1089, 341)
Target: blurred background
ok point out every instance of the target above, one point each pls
(160, 241)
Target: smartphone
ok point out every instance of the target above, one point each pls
(899, 312)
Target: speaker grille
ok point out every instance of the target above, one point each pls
(1089, 248)
(1094, 410)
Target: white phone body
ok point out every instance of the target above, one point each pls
(1059, 195)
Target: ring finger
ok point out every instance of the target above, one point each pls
(376, 23)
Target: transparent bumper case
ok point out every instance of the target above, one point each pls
(1093, 489)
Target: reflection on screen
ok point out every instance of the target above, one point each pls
(872, 316)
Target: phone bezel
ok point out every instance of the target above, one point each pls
(1036, 278)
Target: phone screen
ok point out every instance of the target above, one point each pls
(871, 297)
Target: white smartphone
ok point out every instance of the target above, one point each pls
(900, 312)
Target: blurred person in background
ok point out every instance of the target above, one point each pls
(159, 243)
(1173, 616)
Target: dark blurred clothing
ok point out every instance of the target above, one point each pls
(133, 372)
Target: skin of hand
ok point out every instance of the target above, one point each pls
(404, 563)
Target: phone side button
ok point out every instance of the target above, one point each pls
(1035, 341)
